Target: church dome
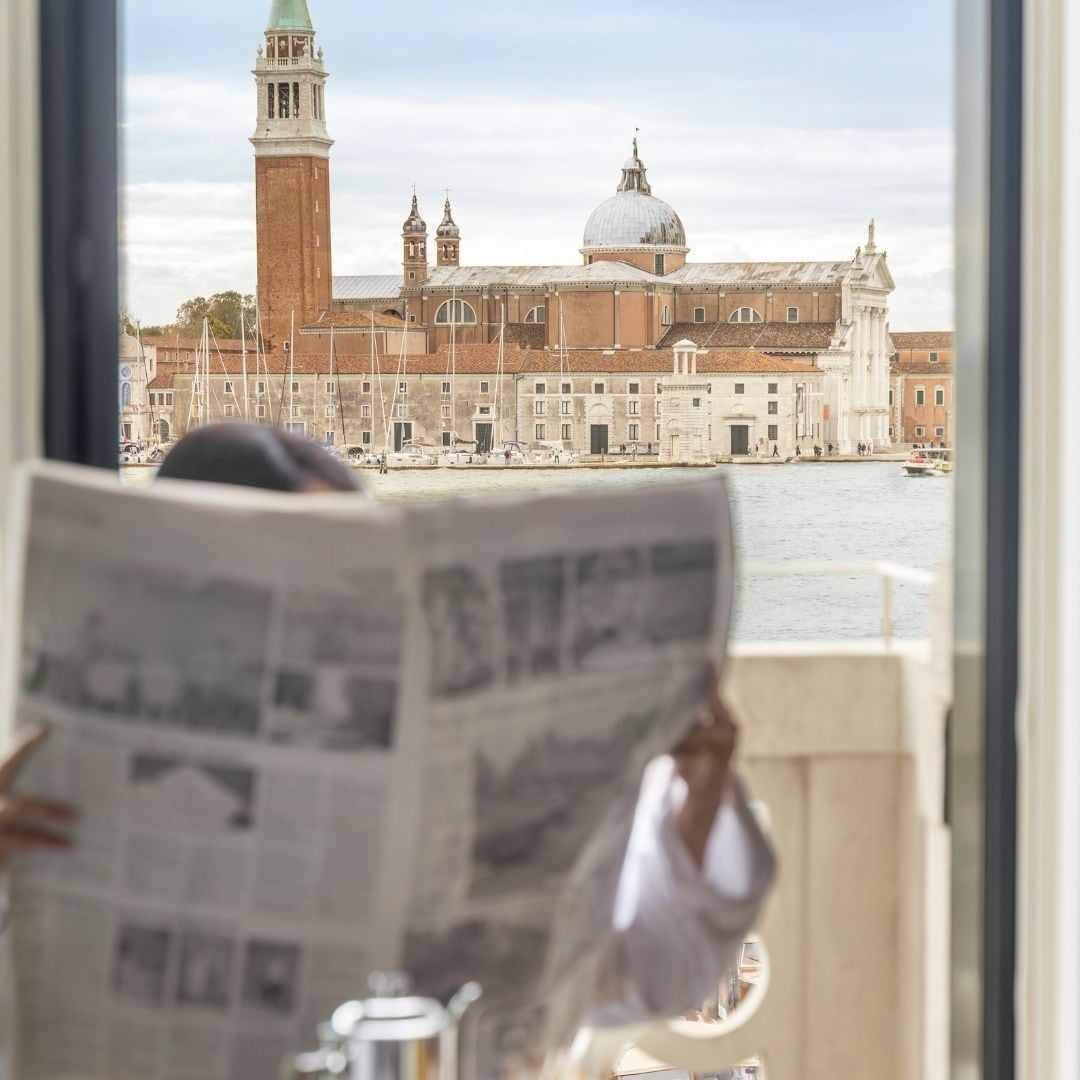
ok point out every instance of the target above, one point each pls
(634, 217)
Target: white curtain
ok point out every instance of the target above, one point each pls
(20, 263)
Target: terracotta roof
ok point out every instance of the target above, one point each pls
(527, 335)
(166, 341)
(922, 367)
(354, 320)
(163, 380)
(482, 359)
(769, 337)
(922, 339)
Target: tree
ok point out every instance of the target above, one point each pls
(223, 310)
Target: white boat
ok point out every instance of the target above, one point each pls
(411, 453)
(462, 453)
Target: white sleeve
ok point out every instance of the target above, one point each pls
(678, 927)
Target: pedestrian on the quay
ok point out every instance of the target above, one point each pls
(798, 450)
(775, 450)
(830, 449)
(648, 448)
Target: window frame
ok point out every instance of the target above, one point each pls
(455, 306)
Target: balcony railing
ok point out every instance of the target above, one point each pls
(890, 575)
(267, 63)
(843, 744)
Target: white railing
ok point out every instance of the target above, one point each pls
(273, 62)
(889, 573)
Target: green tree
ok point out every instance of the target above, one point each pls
(223, 310)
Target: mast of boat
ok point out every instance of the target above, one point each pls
(498, 376)
(243, 360)
(453, 369)
(330, 393)
(292, 370)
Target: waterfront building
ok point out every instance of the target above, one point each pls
(588, 401)
(922, 408)
(631, 294)
(135, 371)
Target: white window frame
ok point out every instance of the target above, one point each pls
(566, 408)
(699, 314)
(485, 387)
(939, 396)
(665, 315)
(633, 407)
(446, 412)
(539, 408)
(920, 396)
(541, 431)
(537, 316)
(752, 316)
(446, 386)
(365, 410)
(567, 432)
(792, 311)
(455, 312)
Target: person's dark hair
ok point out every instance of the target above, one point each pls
(254, 455)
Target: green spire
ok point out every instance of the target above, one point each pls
(290, 15)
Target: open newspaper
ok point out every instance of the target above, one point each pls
(315, 737)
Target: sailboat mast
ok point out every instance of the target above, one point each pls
(243, 361)
(453, 368)
(292, 370)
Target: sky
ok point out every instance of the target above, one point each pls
(776, 129)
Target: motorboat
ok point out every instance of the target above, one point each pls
(929, 461)
(919, 463)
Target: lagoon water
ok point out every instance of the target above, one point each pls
(832, 512)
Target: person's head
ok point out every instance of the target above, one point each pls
(254, 455)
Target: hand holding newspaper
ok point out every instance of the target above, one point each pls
(312, 739)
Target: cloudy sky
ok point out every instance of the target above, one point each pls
(776, 128)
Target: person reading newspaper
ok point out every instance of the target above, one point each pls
(696, 868)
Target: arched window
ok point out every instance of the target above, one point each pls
(665, 316)
(125, 393)
(412, 250)
(745, 314)
(537, 315)
(456, 312)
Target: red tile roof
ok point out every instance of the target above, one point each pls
(812, 337)
(922, 339)
(482, 359)
(352, 320)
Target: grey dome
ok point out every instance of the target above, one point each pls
(633, 219)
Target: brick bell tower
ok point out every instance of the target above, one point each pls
(292, 175)
(414, 237)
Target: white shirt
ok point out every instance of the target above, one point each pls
(679, 927)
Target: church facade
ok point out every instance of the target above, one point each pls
(630, 292)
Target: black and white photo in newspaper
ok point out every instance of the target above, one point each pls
(309, 741)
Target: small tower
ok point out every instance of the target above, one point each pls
(292, 174)
(448, 239)
(414, 246)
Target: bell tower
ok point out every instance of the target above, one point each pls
(414, 247)
(448, 239)
(292, 174)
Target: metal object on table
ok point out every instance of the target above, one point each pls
(391, 1035)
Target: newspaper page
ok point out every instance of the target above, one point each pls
(315, 737)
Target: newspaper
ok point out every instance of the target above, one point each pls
(314, 737)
